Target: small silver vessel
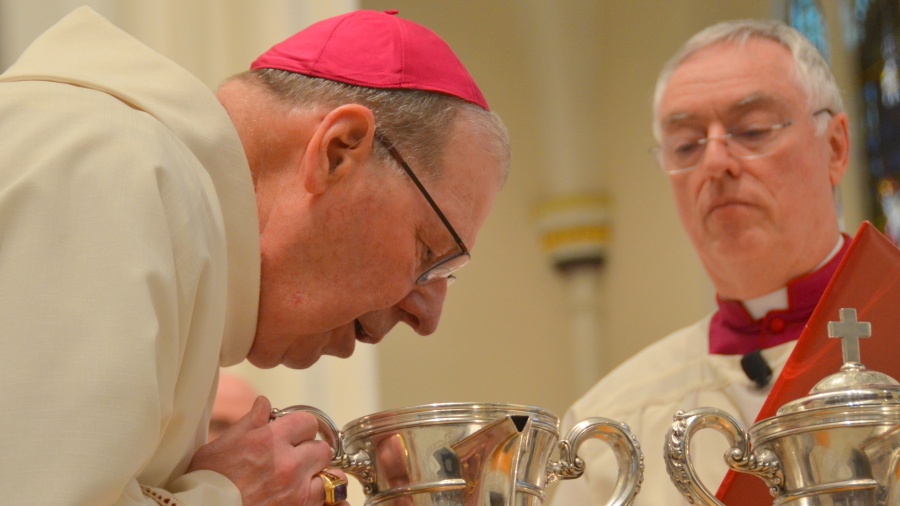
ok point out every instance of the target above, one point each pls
(470, 454)
(838, 446)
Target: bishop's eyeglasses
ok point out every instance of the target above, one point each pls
(681, 153)
(443, 267)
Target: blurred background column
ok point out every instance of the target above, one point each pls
(574, 232)
(573, 215)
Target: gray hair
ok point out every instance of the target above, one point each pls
(418, 123)
(811, 71)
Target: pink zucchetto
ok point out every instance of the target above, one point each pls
(374, 50)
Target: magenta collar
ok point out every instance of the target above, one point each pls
(733, 331)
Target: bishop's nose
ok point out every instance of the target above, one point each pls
(421, 308)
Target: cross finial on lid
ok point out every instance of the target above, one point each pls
(849, 331)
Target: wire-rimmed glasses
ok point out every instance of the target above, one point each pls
(680, 154)
(443, 267)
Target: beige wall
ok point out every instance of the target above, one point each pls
(504, 334)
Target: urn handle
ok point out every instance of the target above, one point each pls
(358, 465)
(624, 445)
(677, 454)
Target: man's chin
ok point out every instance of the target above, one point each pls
(264, 361)
(344, 351)
(295, 364)
(737, 227)
(734, 218)
(738, 243)
(261, 362)
(308, 358)
(304, 353)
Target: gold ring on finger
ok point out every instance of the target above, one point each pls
(335, 488)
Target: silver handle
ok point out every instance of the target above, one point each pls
(739, 457)
(358, 465)
(624, 445)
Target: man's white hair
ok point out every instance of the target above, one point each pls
(811, 71)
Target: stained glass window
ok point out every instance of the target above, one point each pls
(862, 8)
(880, 64)
(807, 17)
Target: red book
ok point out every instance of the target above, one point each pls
(868, 280)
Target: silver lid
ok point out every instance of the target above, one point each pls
(854, 385)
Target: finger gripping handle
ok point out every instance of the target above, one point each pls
(626, 448)
(328, 431)
(358, 465)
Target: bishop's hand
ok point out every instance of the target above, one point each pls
(270, 463)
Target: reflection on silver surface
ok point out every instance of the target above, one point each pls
(839, 446)
(486, 461)
(470, 454)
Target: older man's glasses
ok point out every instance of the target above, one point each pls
(443, 268)
(682, 153)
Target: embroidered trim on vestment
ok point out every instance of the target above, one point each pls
(157, 495)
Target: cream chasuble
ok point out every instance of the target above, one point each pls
(128, 248)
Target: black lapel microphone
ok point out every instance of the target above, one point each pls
(756, 368)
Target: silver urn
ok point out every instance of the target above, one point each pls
(838, 446)
(470, 454)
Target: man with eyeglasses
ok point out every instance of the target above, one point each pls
(153, 231)
(753, 139)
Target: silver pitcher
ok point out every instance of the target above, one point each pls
(838, 446)
(470, 454)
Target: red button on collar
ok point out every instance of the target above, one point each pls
(776, 325)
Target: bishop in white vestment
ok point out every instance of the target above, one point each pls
(152, 231)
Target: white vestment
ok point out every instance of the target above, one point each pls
(674, 374)
(129, 271)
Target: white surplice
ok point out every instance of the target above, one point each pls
(129, 247)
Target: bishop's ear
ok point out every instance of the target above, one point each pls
(341, 143)
(839, 142)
